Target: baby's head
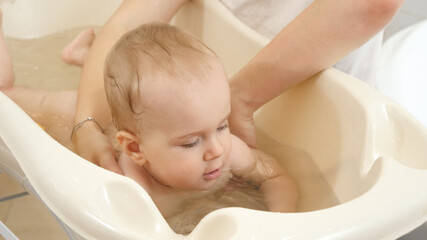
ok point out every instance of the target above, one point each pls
(170, 100)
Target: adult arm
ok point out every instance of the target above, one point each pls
(321, 35)
(89, 140)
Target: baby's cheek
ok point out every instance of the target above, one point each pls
(184, 173)
(226, 159)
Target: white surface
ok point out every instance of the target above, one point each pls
(403, 69)
(370, 150)
(403, 72)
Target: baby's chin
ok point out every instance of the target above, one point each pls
(220, 182)
(208, 185)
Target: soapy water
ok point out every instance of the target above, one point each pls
(37, 62)
(237, 193)
(44, 69)
(314, 190)
(38, 67)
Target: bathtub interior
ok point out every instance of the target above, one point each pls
(31, 19)
(340, 127)
(331, 132)
(344, 137)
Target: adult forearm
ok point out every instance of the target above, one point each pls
(130, 14)
(320, 36)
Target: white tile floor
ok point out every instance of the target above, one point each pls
(26, 217)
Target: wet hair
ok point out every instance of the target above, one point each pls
(147, 53)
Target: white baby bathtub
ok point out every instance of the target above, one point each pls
(370, 152)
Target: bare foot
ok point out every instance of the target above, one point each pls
(76, 52)
(6, 74)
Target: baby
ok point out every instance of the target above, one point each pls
(170, 100)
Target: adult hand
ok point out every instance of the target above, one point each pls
(91, 144)
(89, 141)
(311, 43)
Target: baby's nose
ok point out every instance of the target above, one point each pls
(214, 150)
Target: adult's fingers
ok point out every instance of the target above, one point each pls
(109, 162)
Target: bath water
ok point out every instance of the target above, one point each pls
(37, 64)
(238, 193)
(314, 190)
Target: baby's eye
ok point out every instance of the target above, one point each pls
(192, 145)
(225, 126)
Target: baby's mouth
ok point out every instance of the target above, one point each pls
(212, 175)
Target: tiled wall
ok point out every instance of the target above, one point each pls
(411, 12)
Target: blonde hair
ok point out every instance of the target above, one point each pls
(144, 54)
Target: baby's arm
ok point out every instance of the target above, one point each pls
(280, 191)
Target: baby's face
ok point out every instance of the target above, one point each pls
(185, 137)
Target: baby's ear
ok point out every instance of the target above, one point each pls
(130, 145)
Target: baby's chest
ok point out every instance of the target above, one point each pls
(170, 203)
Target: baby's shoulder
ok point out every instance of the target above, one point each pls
(134, 171)
(241, 156)
(238, 146)
(246, 161)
